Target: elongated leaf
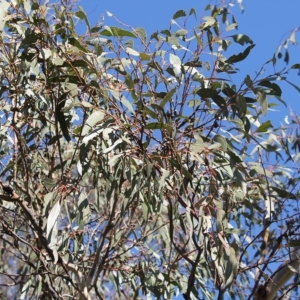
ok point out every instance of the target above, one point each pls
(222, 140)
(241, 105)
(132, 51)
(264, 127)
(142, 33)
(293, 85)
(158, 125)
(94, 118)
(68, 78)
(83, 211)
(179, 14)
(207, 93)
(122, 99)
(283, 193)
(242, 39)
(61, 118)
(118, 32)
(276, 90)
(52, 220)
(168, 97)
(82, 16)
(181, 168)
(241, 56)
(116, 143)
(150, 112)
(175, 60)
(295, 66)
(63, 125)
(220, 101)
(78, 45)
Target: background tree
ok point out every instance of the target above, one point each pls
(140, 165)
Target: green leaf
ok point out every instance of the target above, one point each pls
(262, 99)
(241, 56)
(293, 85)
(221, 220)
(132, 51)
(207, 93)
(295, 66)
(113, 146)
(248, 82)
(193, 12)
(61, 118)
(241, 105)
(181, 168)
(283, 193)
(220, 101)
(264, 127)
(122, 99)
(175, 60)
(77, 44)
(168, 97)
(63, 125)
(293, 243)
(209, 22)
(275, 88)
(222, 140)
(92, 120)
(67, 78)
(231, 27)
(179, 14)
(247, 124)
(141, 33)
(52, 223)
(229, 92)
(149, 112)
(27, 6)
(159, 125)
(82, 16)
(84, 212)
(286, 57)
(199, 42)
(242, 39)
(181, 32)
(118, 32)
(145, 56)
(250, 100)
(231, 268)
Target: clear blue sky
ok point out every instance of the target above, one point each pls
(267, 22)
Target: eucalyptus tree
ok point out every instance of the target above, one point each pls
(140, 164)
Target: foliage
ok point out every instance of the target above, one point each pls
(141, 165)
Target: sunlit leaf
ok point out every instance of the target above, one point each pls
(118, 32)
(264, 127)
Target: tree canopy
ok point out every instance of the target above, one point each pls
(141, 165)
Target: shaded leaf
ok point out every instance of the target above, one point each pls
(283, 193)
(179, 14)
(239, 57)
(275, 88)
(207, 93)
